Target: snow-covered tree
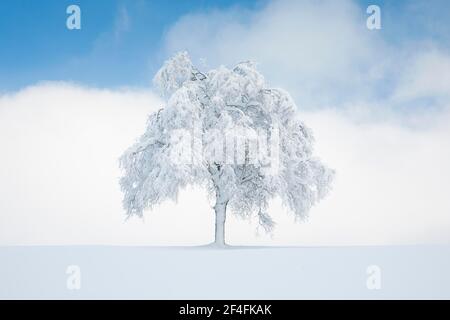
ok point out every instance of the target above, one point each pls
(226, 130)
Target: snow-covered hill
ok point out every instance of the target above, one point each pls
(234, 273)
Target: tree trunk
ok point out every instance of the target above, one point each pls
(221, 209)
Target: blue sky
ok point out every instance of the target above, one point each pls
(120, 41)
(107, 51)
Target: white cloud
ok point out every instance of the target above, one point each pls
(305, 46)
(58, 177)
(320, 51)
(427, 76)
(60, 145)
(391, 185)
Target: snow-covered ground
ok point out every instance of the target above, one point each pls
(234, 273)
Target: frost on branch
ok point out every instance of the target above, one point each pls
(174, 74)
(224, 129)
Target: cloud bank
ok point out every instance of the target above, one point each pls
(58, 173)
(59, 169)
(379, 111)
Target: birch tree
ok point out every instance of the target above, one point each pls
(228, 131)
